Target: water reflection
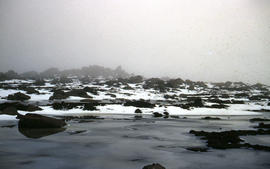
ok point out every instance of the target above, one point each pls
(38, 133)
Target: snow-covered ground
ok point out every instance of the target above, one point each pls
(138, 92)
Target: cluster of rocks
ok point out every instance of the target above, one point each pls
(231, 139)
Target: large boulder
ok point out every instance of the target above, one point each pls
(31, 120)
(154, 166)
(18, 96)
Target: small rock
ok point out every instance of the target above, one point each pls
(154, 166)
(156, 114)
(138, 111)
(210, 118)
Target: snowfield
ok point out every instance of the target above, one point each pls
(169, 101)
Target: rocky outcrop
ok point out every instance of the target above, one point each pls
(18, 96)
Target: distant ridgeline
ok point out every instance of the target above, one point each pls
(92, 71)
(118, 77)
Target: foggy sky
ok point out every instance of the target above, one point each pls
(210, 40)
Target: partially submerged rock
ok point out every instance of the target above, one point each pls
(210, 118)
(138, 111)
(34, 121)
(156, 114)
(230, 139)
(18, 96)
(154, 166)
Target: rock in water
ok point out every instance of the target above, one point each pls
(138, 111)
(154, 166)
(36, 121)
(18, 96)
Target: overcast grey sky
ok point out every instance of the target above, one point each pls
(211, 40)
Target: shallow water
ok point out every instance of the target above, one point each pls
(122, 142)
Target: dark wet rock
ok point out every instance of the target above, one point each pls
(139, 103)
(39, 132)
(229, 139)
(59, 95)
(258, 119)
(198, 149)
(210, 118)
(18, 96)
(138, 111)
(33, 121)
(19, 106)
(154, 166)
(91, 90)
(156, 114)
(166, 113)
(268, 104)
